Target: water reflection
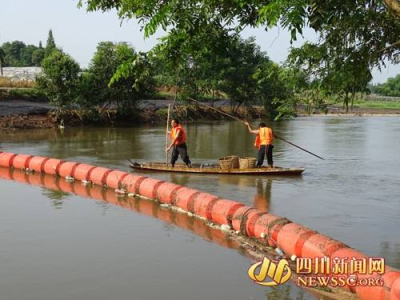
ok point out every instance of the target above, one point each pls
(58, 189)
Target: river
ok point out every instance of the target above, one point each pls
(58, 245)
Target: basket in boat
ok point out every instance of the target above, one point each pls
(229, 162)
(247, 162)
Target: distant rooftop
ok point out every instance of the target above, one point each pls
(22, 73)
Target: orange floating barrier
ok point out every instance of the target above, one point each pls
(66, 169)
(202, 205)
(184, 196)
(223, 210)
(240, 217)
(267, 228)
(374, 291)
(395, 291)
(36, 163)
(82, 172)
(131, 183)
(52, 166)
(21, 161)
(99, 175)
(291, 238)
(6, 159)
(319, 245)
(115, 178)
(166, 192)
(148, 187)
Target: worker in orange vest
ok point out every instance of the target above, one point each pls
(263, 142)
(178, 138)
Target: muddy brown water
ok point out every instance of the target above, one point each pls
(57, 245)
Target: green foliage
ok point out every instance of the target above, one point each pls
(60, 81)
(390, 88)
(25, 94)
(220, 62)
(17, 54)
(51, 44)
(330, 75)
(2, 58)
(117, 75)
(344, 26)
(38, 56)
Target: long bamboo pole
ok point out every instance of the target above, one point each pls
(166, 136)
(237, 119)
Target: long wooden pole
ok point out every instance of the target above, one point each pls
(237, 119)
(166, 136)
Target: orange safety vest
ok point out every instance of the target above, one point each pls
(264, 137)
(182, 137)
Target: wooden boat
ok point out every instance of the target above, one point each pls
(214, 169)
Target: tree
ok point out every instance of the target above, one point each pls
(367, 28)
(17, 54)
(60, 79)
(2, 56)
(51, 44)
(390, 88)
(134, 78)
(38, 56)
(13, 53)
(334, 77)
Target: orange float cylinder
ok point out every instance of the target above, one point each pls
(149, 186)
(268, 225)
(6, 159)
(52, 166)
(66, 168)
(21, 161)
(37, 162)
(240, 218)
(395, 290)
(291, 238)
(184, 196)
(223, 210)
(115, 178)
(82, 172)
(319, 245)
(166, 192)
(377, 292)
(202, 205)
(131, 183)
(99, 175)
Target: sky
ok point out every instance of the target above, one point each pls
(78, 32)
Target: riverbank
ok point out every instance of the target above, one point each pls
(22, 114)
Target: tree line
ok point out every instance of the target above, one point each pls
(18, 54)
(390, 88)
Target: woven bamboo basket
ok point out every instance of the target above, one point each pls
(229, 162)
(247, 163)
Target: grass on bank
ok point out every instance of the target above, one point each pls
(378, 104)
(370, 104)
(27, 94)
(6, 82)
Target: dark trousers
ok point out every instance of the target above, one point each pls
(181, 150)
(265, 150)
